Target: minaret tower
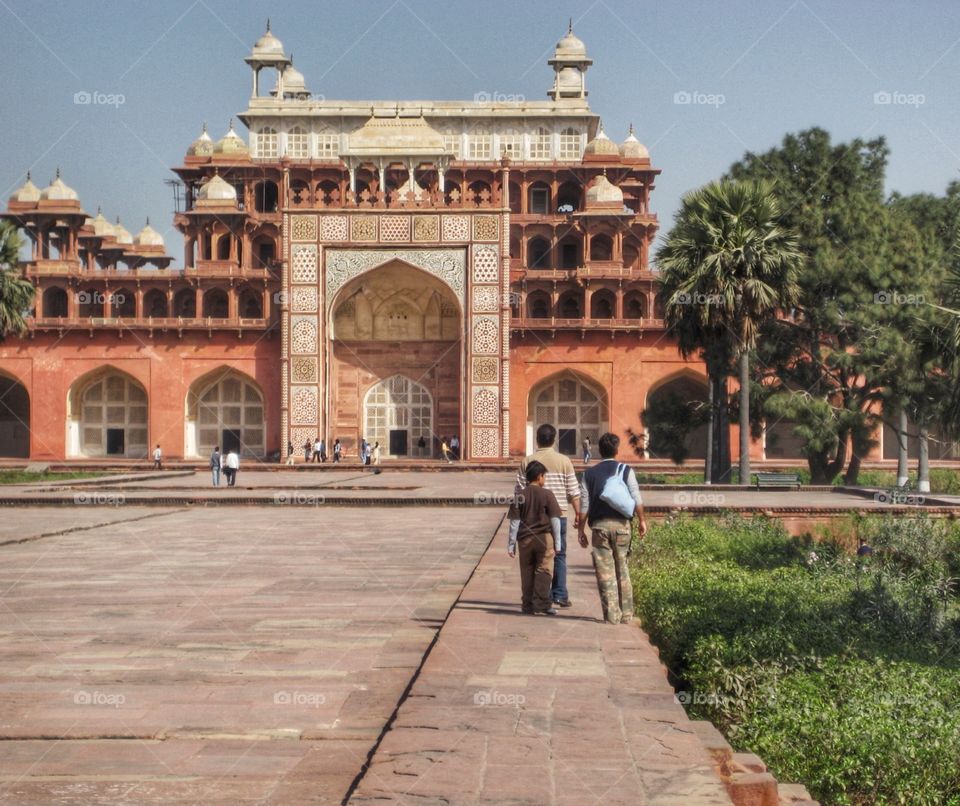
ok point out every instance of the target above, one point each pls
(267, 52)
(570, 64)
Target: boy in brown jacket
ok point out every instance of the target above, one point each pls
(534, 530)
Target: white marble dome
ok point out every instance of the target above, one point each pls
(230, 143)
(148, 236)
(268, 45)
(202, 146)
(632, 148)
(58, 191)
(217, 189)
(570, 46)
(122, 234)
(603, 191)
(101, 227)
(28, 192)
(601, 144)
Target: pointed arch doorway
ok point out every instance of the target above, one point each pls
(397, 412)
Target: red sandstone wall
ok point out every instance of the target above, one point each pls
(165, 365)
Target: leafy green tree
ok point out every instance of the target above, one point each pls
(820, 363)
(727, 266)
(668, 421)
(16, 293)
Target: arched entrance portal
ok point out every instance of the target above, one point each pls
(395, 361)
(107, 416)
(574, 408)
(686, 390)
(225, 409)
(397, 412)
(14, 419)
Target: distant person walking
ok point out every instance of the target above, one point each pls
(455, 446)
(561, 480)
(422, 446)
(307, 450)
(376, 454)
(233, 465)
(317, 449)
(587, 456)
(610, 501)
(215, 465)
(289, 453)
(157, 458)
(337, 450)
(445, 450)
(534, 517)
(323, 450)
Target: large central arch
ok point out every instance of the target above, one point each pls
(225, 409)
(107, 415)
(395, 353)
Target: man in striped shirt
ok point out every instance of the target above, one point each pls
(562, 482)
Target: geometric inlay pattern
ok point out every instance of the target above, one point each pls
(304, 369)
(304, 300)
(426, 228)
(304, 260)
(486, 442)
(395, 228)
(363, 228)
(299, 437)
(486, 267)
(456, 228)
(303, 338)
(485, 369)
(485, 228)
(304, 227)
(486, 408)
(333, 228)
(486, 299)
(303, 408)
(486, 335)
(448, 265)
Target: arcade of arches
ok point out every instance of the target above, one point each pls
(395, 357)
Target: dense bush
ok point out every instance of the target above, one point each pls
(826, 665)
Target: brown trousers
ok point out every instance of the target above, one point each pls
(536, 571)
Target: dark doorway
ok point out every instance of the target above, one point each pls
(14, 419)
(231, 440)
(115, 442)
(567, 442)
(398, 443)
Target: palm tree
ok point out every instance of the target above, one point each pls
(16, 293)
(727, 266)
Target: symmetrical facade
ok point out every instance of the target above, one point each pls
(400, 271)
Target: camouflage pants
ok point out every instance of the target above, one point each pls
(611, 544)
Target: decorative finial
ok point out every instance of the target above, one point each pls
(570, 26)
(204, 131)
(98, 210)
(230, 127)
(58, 172)
(118, 219)
(630, 132)
(268, 25)
(148, 221)
(28, 176)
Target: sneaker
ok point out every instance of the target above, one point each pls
(548, 612)
(626, 620)
(564, 603)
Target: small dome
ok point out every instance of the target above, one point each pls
(293, 81)
(601, 144)
(570, 46)
(202, 146)
(121, 233)
(101, 227)
(148, 236)
(217, 189)
(268, 45)
(58, 191)
(230, 143)
(632, 148)
(29, 192)
(603, 191)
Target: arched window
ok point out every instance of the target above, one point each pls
(569, 197)
(481, 192)
(573, 408)
(569, 252)
(223, 246)
(123, 303)
(601, 247)
(185, 304)
(570, 305)
(602, 305)
(264, 251)
(155, 304)
(267, 143)
(396, 413)
(298, 143)
(91, 302)
(631, 257)
(14, 418)
(538, 198)
(325, 190)
(228, 413)
(266, 197)
(541, 144)
(538, 253)
(570, 144)
(538, 305)
(54, 303)
(634, 306)
(516, 197)
(251, 304)
(216, 304)
(299, 193)
(113, 417)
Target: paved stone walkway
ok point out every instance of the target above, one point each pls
(534, 710)
(232, 655)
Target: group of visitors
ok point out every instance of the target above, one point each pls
(369, 454)
(229, 464)
(607, 500)
(450, 449)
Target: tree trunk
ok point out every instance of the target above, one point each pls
(923, 464)
(853, 470)
(708, 462)
(745, 417)
(903, 455)
(722, 458)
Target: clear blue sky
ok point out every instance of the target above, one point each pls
(780, 66)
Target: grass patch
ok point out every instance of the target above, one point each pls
(23, 477)
(840, 673)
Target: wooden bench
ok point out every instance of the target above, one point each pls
(777, 480)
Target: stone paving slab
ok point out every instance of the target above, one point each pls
(522, 709)
(218, 655)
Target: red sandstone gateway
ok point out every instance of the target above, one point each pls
(357, 269)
